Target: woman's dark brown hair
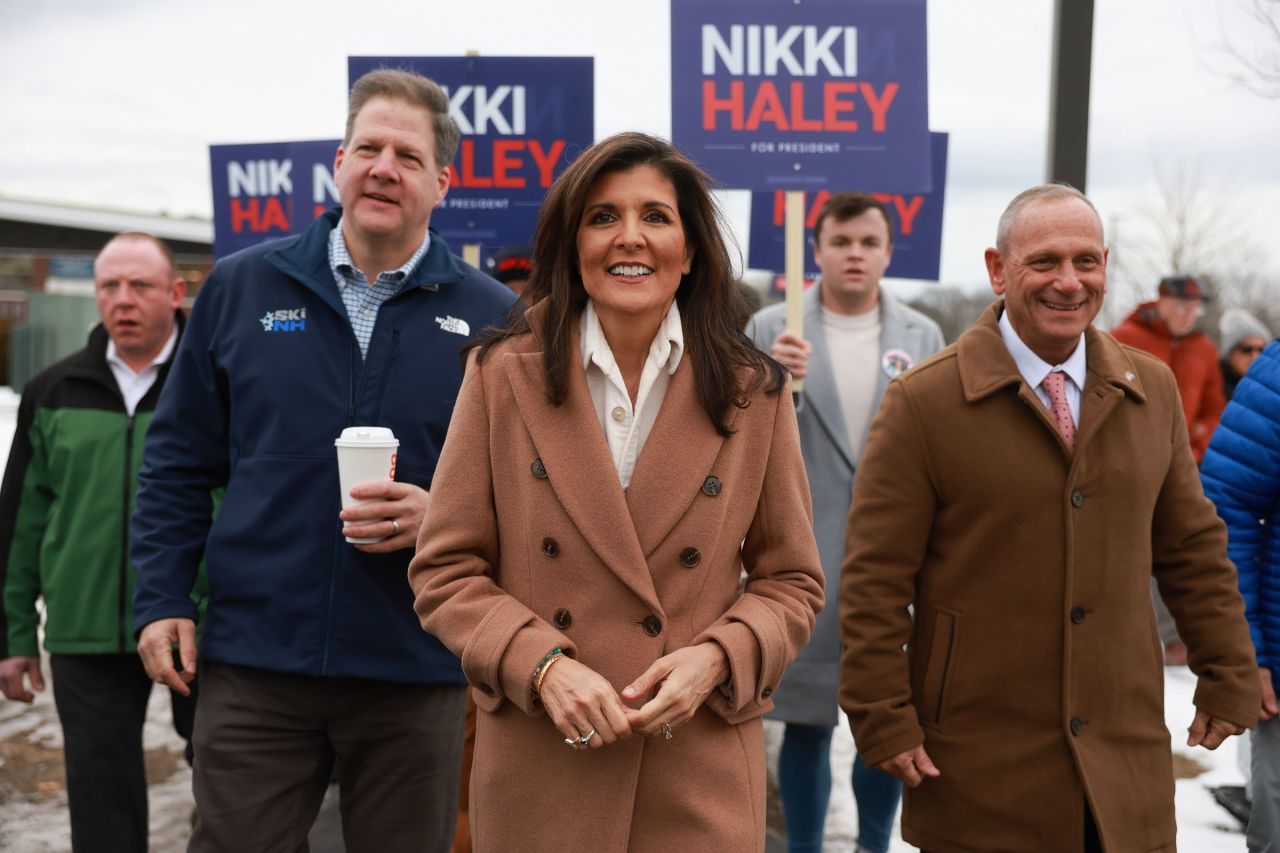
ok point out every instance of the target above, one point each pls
(727, 367)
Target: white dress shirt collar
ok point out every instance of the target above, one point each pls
(666, 349)
(626, 426)
(1034, 369)
(134, 385)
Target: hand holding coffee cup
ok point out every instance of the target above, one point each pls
(365, 455)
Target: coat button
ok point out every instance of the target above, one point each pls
(550, 547)
(563, 618)
(485, 689)
(652, 625)
(1077, 498)
(690, 557)
(1077, 727)
(1077, 615)
(539, 470)
(767, 692)
(711, 486)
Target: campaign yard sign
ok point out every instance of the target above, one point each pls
(523, 120)
(262, 191)
(917, 225)
(800, 94)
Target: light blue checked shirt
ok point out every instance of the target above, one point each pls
(363, 301)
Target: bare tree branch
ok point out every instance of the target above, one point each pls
(1257, 69)
(1186, 227)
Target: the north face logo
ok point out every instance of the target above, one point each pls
(453, 324)
(284, 320)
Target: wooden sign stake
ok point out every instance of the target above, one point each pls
(471, 254)
(795, 269)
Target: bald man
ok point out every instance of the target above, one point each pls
(64, 511)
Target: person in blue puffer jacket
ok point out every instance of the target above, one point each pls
(1241, 474)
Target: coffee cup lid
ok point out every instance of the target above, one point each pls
(366, 436)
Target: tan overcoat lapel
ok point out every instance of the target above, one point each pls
(579, 467)
(1111, 377)
(676, 460)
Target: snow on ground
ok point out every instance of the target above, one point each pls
(8, 418)
(33, 800)
(1203, 825)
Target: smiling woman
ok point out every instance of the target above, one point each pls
(618, 456)
(632, 253)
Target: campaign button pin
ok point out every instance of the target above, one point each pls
(895, 362)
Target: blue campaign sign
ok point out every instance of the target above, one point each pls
(523, 120)
(262, 191)
(917, 225)
(772, 95)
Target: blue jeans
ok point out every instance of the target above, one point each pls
(804, 780)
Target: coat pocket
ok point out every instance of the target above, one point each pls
(942, 652)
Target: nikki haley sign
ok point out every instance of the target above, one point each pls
(523, 120)
(796, 94)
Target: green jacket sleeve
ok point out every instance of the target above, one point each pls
(25, 499)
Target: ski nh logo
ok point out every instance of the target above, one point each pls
(284, 320)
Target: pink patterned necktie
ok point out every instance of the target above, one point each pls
(1055, 384)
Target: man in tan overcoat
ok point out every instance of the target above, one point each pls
(1018, 489)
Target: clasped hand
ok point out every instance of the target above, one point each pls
(578, 699)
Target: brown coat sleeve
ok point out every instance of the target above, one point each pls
(499, 639)
(894, 500)
(1198, 584)
(771, 621)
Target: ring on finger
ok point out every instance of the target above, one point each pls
(586, 739)
(666, 731)
(395, 527)
(572, 743)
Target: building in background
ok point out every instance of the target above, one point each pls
(46, 274)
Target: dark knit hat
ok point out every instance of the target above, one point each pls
(511, 262)
(1183, 287)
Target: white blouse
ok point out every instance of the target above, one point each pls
(626, 427)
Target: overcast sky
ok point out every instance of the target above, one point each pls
(114, 103)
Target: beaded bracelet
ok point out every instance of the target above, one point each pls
(537, 686)
(535, 680)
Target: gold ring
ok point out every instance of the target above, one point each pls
(666, 731)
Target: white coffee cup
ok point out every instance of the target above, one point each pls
(366, 454)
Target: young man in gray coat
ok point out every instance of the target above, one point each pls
(856, 338)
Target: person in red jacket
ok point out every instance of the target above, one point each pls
(1166, 329)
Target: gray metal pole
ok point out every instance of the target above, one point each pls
(1069, 91)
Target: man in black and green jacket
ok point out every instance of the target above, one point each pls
(64, 535)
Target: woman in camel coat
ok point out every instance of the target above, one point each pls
(617, 458)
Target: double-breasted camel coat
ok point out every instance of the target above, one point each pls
(1034, 674)
(531, 544)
